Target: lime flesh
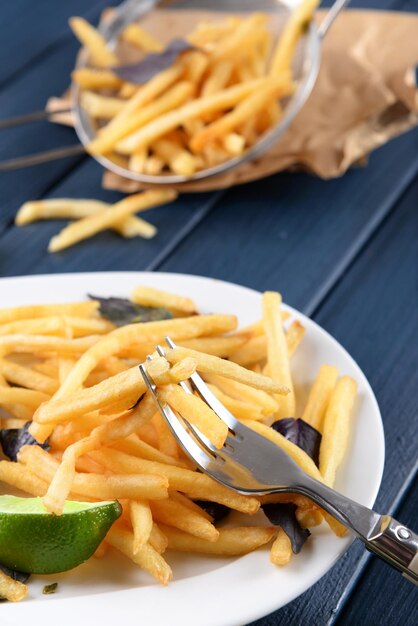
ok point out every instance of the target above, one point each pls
(37, 542)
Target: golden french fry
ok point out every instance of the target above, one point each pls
(281, 549)
(27, 377)
(170, 121)
(194, 484)
(11, 589)
(137, 161)
(127, 386)
(196, 411)
(222, 347)
(218, 78)
(254, 350)
(234, 144)
(26, 397)
(81, 309)
(231, 541)
(166, 442)
(19, 476)
(135, 446)
(336, 428)
(209, 364)
(147, 557)
(240, 391)
(277, 353)
(210, 32)
(140, 38)
(195, 63)
(286, 45)
(337, 528)
(177, 158)
(142, 107)
(294, 336)
(319, 396)
(157, 539)
(153, 165)
(149, 296)
(175, 514)
(308, 518)
(141, 518)
(185, 501)
(242, 37)
(42, 326)
(91, 39)
(89, 226)
(183, 370)
(240, 409)
(151, 332)
(246, 109)
(39, 344)
(101, 107)
(91, 78)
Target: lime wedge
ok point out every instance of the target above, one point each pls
(37, 542)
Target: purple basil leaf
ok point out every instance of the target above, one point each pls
(302, 434)
(153, 63)
(284, 515)
(217, 511)
(12, 439)
(122, 311)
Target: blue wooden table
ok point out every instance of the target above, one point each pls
(344, 252)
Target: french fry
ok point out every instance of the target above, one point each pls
(100, 107)
(153, 165)
(147, 557)
(233, 143)
(104, 434)
(140, 38)
(27, 377)
(42, 326)
(39, 344)
(141, 519)
(149, 296)
(157, 539)
(195, 63)
(240, 410)
(132, 115)
(135, 446)
(308, 518)
(196, 411)
(26, 397)
(11, 589)
(210, 32)
(166, 442)
(151, 332)
(319, 396)
(281, 549)
(170, 121)
(135, 486)
(277, 354)
(231, 541)
(19, 476)
(91, 39)
(92, 78)
(193, 484)
(218, 78)
(185, 501)
(294, 336)
(127, 386)
(89, 226)
(209, 364)
(174, 514)
(242, 37)
(336, 428)
(222, 347)
(137, 161)
(286, 45)
(247, 108)
(81, 309)
(240, 391)
(254, 350)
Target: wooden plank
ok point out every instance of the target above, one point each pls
(396, 599)
(31, 29)
(372, 312)
(106, 251)
(266, 234)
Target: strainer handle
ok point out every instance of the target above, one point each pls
(328, 20)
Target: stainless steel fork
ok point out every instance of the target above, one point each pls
(252, 465)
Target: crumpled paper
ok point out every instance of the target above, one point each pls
(365, 94)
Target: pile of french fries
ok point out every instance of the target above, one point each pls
(75, 377)
(211, 105)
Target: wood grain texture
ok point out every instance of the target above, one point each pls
(32, 29)
(379, 581)
(372, 312)
(267, 233)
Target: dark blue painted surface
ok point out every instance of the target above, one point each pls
(344, 251)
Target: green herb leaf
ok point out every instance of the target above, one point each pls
(122, 311)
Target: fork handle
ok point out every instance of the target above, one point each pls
(384, 536)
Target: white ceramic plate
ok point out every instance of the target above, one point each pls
(205, 591)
